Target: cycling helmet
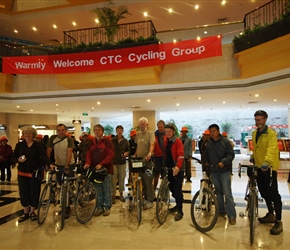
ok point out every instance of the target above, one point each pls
(261, 113)
(170, 125)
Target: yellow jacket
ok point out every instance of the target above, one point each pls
(266, 149)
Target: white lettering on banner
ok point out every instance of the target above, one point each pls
(117, 59)
(188, 51)
(69, 63)
(144, 57)
(23, 65)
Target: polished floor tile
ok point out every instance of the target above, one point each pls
(119, 231)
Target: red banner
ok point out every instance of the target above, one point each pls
(142, 56)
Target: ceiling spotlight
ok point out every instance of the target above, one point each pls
(15, 31)
(74, 23)
(93, 107)
(198, 38)
(148, 100)
(177, 104)
(224, 102)
(97, 20)
(54, 26)
(205, 32)
(170, 10)
(31, 110)
(145, 14)
(224, 2)
(199, 98)
(19, 106)
(174, 40)
(56, 104)
(275, 100)
(196, 6)
(34, 28)
(98, 103)
(256, 95)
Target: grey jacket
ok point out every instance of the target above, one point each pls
(187, 146)
(219, 151)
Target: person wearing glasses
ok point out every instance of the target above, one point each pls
(266, 157)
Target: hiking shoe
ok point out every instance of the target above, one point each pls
(268, 218)
(106, 212)
(232, 221)
(277, 228)
(178, 216)
(173, 209)
(99, 212)
(147, 205)
(121, 198)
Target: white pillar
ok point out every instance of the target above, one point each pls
(78, 130)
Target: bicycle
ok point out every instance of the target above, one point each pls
(163, 198)
(75, 190)
(251, 197)
(136, 165)
(204, 205)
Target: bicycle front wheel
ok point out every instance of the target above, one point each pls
(86, 202)
(139, 201)
(44, 203)
(59, 209)
(162, 203)
(252, 213)
(204, 210)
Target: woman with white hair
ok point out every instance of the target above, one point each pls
(29, 155)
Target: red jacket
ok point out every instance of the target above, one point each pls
(101, 152)
(157, 149)
(177, 153)
(6, 152)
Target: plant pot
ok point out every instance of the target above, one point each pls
(264, 35)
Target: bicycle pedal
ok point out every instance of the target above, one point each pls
(242, 214)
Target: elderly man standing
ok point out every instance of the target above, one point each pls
(145, 140)
(187, 146)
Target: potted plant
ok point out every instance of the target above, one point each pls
(109, 18)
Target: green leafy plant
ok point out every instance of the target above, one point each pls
(226, 127)
(109, 18)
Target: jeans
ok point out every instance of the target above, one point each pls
(104, 193)
(119, 175)
(222, 183)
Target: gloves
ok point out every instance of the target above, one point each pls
(264, 167)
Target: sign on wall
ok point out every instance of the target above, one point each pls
(142, 56)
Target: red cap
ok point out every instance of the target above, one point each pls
(133, 132)
(206, 132)
(224, 134)
(39, 136)
(184, 129)
(3, 138)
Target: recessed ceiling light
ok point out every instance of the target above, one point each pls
(224, 102)
(54, 26)
(205, 32)
(19, 106)
(241, 33)
(97, 20)
(148, 100)
(34, 28)
(199, 98)
(74, 23)
(93, 107)
(177, 104)
(145, 14)
(256, 95)
(31, 110)
(196, 6)
(174, 40)
(56, 104)
(122, 110)
(275, 100)
(98, 103)
(170, 10)
(15, 31)
(198, 38)
(224, 2)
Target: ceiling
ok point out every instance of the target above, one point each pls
(23, 15)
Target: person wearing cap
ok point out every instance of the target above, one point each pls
(5, 159)
(174, 157)
(83, 147)
(145, 140)
(121, 151)
(219, 156)
(187, 152)
(202, 147)
(225, 134)
(159, 151)
(266, 157)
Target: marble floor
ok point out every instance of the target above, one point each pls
(117, 232)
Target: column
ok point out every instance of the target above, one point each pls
(78, 130)
(152, 116)
(93, 122)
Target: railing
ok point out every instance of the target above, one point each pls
(266, 14)
(111, 33)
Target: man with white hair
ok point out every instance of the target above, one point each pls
(145, 140)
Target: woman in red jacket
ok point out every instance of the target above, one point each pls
(174, 159)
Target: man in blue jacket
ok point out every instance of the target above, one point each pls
(219, 157)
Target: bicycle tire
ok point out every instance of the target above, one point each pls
(204, 210)
(253, 208)
(139, 201)
(44, 203)
(59, 210)
(86, 202)
(162, 203)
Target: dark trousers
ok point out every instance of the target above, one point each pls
(187, 168)
(5, 165)
(29, 190)
(175, 186)
(270, 192)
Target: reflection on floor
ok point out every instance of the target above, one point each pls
(118, 232)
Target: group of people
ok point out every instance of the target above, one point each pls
(162, 147)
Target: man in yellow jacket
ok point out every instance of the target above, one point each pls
(266, 157)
